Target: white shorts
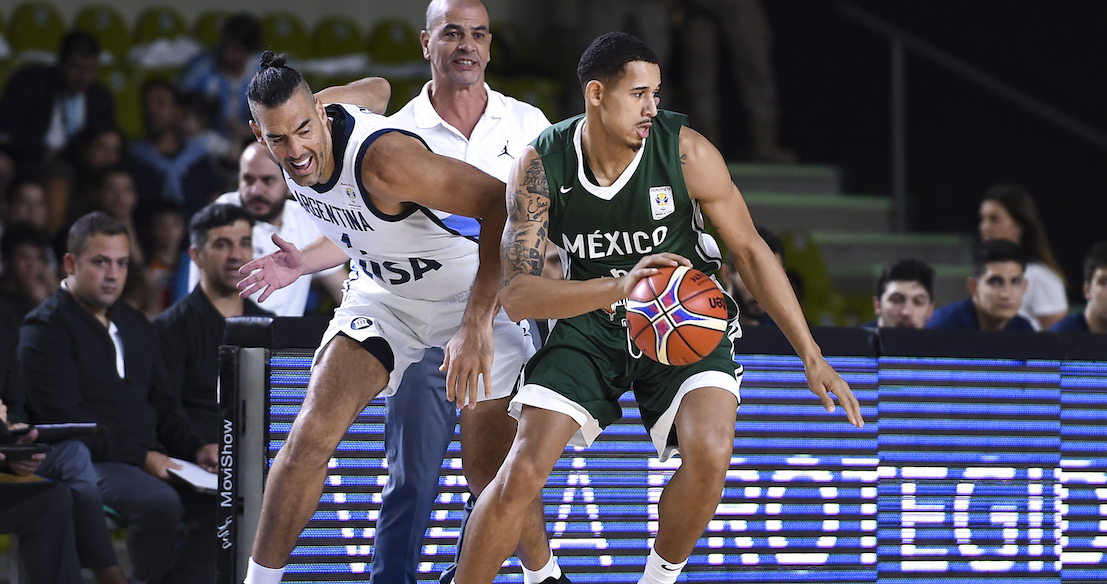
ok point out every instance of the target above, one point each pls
(543, 397)
(410, 326)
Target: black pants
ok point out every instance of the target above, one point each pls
(170, 533)
(41, 517)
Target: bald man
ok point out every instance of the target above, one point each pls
(263, 193)
(458, 115)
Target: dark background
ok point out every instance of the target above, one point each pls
(834, 89)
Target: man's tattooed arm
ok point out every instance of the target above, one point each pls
(528, 205)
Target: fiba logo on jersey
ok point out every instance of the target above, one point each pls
(661, 202)
(352, 194)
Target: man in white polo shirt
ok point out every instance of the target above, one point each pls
(459, 116)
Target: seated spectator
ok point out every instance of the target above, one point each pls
(223, 72)
(199, 124)
(41, 518)
(1094, 317)
(113, 192)
(164, 237)
(904, 295)
(750, 312)
(75, 511)
(1008, 212)
(73, 175)
(26, 203)
(192, 329)
(264, 194)
(44, 105)
(168, 166)
(87, 357)
(27, 277)
(995, 293)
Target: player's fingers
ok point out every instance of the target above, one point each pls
(451, 395)
(452, 380)
(281, 243)
(473, 379)
(250, 289)
(266, 294)
(852, 406)
(250, 266)
(451, 389)
(248, 279)
(824, 397)
(678, 259)
(487, 373)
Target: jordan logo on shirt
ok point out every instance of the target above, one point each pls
(505, 151)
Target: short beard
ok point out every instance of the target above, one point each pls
(275, 211)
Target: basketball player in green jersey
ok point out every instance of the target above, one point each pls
(620, 190)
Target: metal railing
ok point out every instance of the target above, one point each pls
(901, 41)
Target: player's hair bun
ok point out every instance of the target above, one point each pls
(269, 59)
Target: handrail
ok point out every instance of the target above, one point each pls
(975, 75)
(901, 39)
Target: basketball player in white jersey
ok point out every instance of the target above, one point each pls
(425, 275)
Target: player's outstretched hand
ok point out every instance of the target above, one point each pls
(468, 355)
(647, 266)
(823, 380)
(271, 272)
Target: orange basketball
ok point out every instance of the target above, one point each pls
(677, 316)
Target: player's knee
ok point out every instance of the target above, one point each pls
(519, 482)
(709, 458)
(305, 450)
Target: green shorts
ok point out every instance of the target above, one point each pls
(588, 362)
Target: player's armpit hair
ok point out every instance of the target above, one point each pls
(527, 224)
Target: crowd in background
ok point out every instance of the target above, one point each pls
(63, 157)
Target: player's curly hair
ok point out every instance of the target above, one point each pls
(275, 83)
(608, 55)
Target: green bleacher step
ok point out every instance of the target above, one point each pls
(786, 178)
(782, 212)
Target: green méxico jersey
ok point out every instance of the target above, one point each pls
(604, 231)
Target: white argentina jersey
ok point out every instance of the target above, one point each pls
(421, 253)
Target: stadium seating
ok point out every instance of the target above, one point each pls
(207, 27)
(339, 50)
(394, 42)
(537, 91)
(35, 30)
(397, 56)
(122, 82)
(159, 22)
(106, 24)
(337, 36)
(821, 304)
(511, 52)
(284, 32)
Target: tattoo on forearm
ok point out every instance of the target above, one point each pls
(527, 225)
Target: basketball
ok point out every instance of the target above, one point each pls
(676, 316)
